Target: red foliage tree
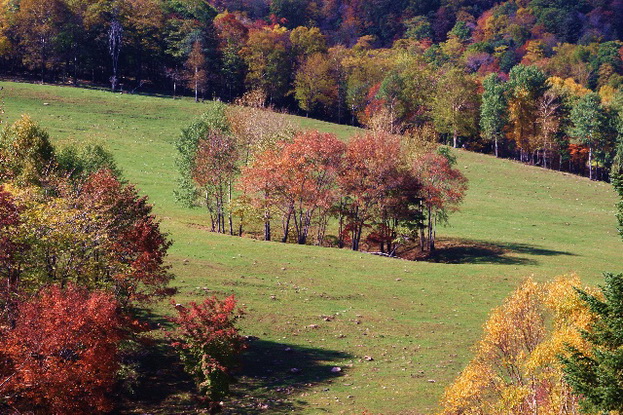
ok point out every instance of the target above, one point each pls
(372, 172)
(308, 168)
(443, 189)
(209, 344)
(262, 186)
(62, 353)
(135, 246)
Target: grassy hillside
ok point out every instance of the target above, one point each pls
(316, 308)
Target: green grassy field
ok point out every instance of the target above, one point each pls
(315, 308)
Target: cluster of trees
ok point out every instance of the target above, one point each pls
(80, 253)
(550, 348)
(414, 62)
(378, 186)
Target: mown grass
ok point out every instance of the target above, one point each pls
(315, 308)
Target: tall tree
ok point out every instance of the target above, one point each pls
(215, 169)
(526, 85)
(195, 65)
(493, 110)
(588, 124)
(269, 61)
(455, 104)
(597, 374)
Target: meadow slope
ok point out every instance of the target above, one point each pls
(317, 308)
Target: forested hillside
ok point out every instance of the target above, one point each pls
(509, 78)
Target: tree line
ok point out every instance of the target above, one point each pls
(248, 165)
(404, 64)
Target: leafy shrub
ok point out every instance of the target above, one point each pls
(209, 344)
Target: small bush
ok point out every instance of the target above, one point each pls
(209, 344)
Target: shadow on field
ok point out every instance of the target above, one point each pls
(161, 386)
(274, 375)
(464, 251)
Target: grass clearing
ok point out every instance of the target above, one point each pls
(315, 308)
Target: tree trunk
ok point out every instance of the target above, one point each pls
(496, 146)
(455, 138)
(266, 229)
(590, 162)
(286, 227)
(196, 85)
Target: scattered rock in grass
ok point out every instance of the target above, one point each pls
(336, 369)
(313, 326)
(368, 358)
(295, 370)
(398, 279)
(431, 381)
(287, 349)
(273, 297)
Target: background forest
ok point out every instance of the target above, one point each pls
(532, 80)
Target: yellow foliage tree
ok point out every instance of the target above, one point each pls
(516, 368)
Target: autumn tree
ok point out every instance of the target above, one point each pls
(209, 344)
(232, 36)
(526, 85)
(516, 368)
(308, 168)
(455, 104)
(371, 170)
(269, 62)
(262, 188)
(38, 25)
(195, 65)
(135, 247)
(63, 352)
(549, 122)
(26, 152)
(316, 87)
(187, 143)
(443, 188)
(215, 169)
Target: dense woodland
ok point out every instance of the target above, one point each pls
(532, 80)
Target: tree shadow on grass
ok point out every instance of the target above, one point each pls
(161, 386)
(465, 251)
(274, 375)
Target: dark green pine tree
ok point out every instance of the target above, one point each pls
(616, 178)
(598, 376)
